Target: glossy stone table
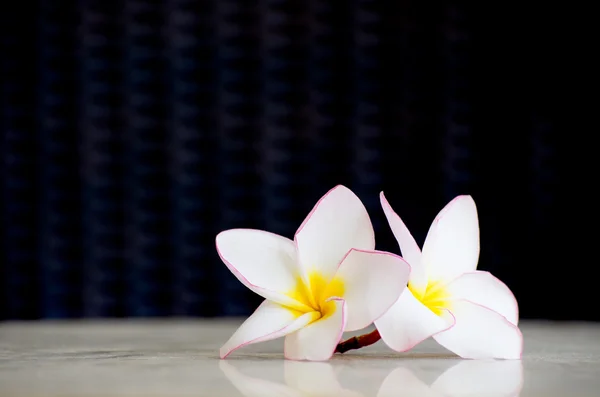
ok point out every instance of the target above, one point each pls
(179, 358)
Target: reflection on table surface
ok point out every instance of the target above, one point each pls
(180, 358)
(465, 378)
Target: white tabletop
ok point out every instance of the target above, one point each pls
(180, 357)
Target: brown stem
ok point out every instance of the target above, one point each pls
(356, 342)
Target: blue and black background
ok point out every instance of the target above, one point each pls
(133, 131)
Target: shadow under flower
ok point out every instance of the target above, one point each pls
(466, 378)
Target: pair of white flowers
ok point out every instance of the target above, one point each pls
(330, 279)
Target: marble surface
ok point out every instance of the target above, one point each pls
(180, 358)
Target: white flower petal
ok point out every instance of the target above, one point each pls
(481, 378)
(408, 246)
(452, 244)
(337, 223)
(486, 290)
(250, 386)
(408, 323)
(264, 262)
(373, 281)
(403, 382)
(317, 341)
(269, 321)
(481, 333)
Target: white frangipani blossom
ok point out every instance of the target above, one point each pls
(470, 312)
(328, 280)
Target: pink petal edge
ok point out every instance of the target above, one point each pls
(232, 267)
(377, 252)
(504, 318)
(447, 207)
(407, 244)
(432, 335)
(512, 295)
(340, 333)
(385, 203)
(314, 209)
(507, 321)
(223, 356)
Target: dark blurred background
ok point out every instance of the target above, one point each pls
(132, 132)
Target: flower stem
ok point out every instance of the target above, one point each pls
(356, 342)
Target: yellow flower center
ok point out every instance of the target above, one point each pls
(435, 296)
(314, 294)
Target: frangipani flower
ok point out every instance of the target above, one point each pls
(327, 281)
(470, 312)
